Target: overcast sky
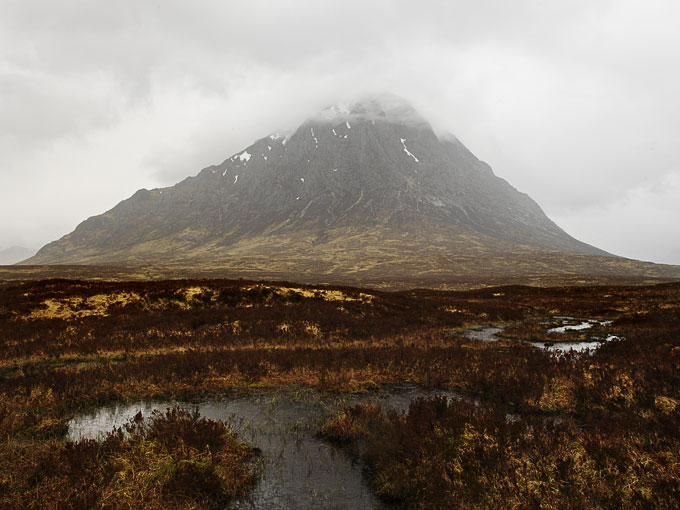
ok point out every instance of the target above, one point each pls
(576, 103)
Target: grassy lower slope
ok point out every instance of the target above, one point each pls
(431, 255)
(452, 272)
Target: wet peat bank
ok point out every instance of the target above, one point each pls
(334, 395)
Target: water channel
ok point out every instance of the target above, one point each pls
(301, 471)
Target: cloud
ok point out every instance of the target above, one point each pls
(638, 223)
(574, 103)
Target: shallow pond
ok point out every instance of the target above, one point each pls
(300, 470)
(573, 324)
(576, 324)
(484, 333)
(572, 346)
(491, 333)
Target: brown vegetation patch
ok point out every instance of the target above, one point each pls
(174, 459)
(453, 454)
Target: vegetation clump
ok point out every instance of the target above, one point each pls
(444, 454)
(175, 459)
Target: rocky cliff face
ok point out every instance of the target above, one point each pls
(353, 187)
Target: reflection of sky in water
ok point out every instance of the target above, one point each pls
(487, 334)
(567, 325)
(575, 346)
(572, 327)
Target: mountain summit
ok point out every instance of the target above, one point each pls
(363, 188)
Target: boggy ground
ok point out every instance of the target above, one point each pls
(568, 431)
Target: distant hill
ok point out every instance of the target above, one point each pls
(361, 189)
(14, 254)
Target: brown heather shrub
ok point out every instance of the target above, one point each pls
(174, 459)
(454, 454)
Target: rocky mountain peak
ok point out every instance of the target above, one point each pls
(361, 183)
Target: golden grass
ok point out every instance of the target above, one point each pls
(66, 308)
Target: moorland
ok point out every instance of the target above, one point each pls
(596, 429)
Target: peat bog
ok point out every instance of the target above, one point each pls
(597, 429)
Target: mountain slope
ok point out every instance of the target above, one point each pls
(366, 187)
(14, 254)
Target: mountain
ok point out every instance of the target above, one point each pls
(14, 254)
(367, 188)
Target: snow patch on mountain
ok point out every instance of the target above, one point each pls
(403, 143)
(244, 156)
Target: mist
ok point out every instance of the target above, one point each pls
(574, 103)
